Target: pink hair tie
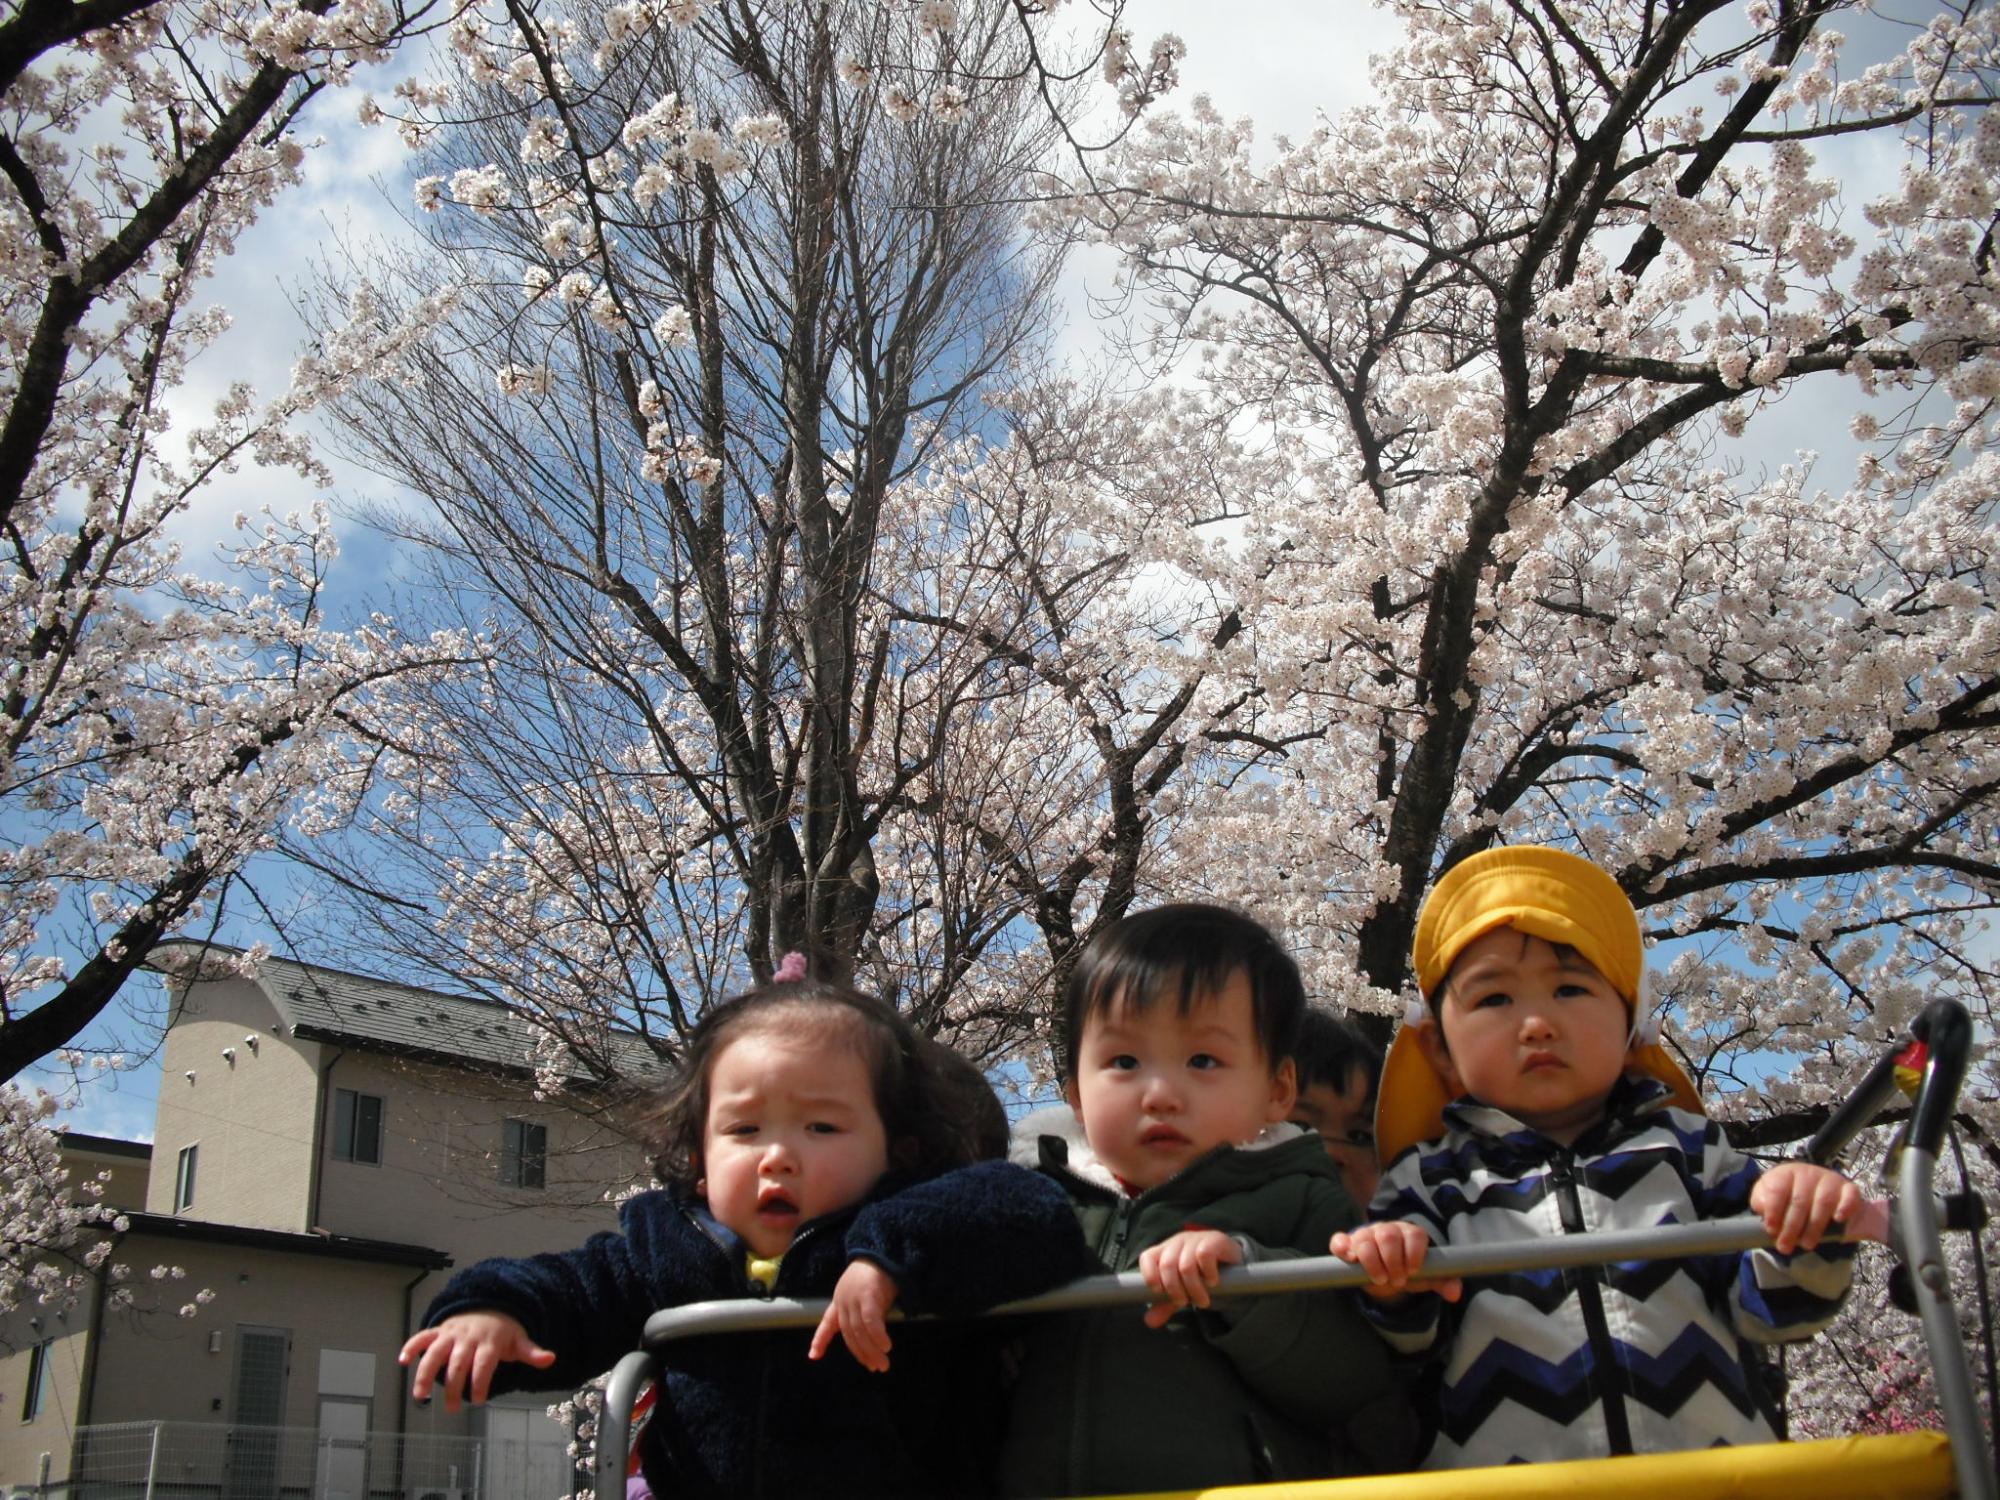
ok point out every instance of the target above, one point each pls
(791, 968)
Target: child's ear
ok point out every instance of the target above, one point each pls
(1074, 1097)
(1641, 1035)
(1284, 1092)
(1430, 1042)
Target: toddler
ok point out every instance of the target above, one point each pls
(811, 1149)
(1338, 1068)
(1177, 1033)
(1532, 1104)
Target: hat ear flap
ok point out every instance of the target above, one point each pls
(1410, 1101)
(1647, 1055)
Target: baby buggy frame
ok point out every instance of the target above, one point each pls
(1904, 1465)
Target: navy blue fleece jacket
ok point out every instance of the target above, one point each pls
(748, 1414)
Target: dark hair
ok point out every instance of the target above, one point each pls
(1188, 949)
(968, 1099)
(926, 1110)
(1330, 1048)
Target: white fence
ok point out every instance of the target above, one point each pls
(213, 1461)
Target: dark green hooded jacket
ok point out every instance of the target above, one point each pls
(1251, 1390)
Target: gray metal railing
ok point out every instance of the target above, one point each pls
(225, 1461)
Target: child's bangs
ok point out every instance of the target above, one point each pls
(816, 1021)
(1143, 980)
(1186, 953)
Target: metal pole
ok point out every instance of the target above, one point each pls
(153, 1462)
(1311, 1274)
(614, 1420)
(1923, 1252)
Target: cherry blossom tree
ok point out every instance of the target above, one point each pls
(1515, 338)
(732, 281)
(158, 720)
(1508, 335)
(1508, 566)
(47, 1244)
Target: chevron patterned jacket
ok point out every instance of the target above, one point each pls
(1640, 1357)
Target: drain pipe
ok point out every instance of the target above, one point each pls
(402, 1396)
(319, 1140)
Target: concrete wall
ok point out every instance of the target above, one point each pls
(23, 1443)
(155, 1365)
(251, 1116)
(126, 1184)
(438, 1183)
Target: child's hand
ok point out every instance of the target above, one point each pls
(1182, 1267)
(1872, 1223)
(860, 1315)
(1392, 1253)
(1797, 1201)
(469, 1345)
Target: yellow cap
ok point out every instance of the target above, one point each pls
(1545, 893)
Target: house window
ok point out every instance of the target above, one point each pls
(38, 1381)
(184, 1178)
(357, 1127)
(524, 1153)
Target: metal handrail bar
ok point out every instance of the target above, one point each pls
(1128, 1289)
(1946, 1032)
(1302, 1274)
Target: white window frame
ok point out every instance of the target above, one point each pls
(184, 1176)
(524, 1154)
(37, 1394)
(351, 1109)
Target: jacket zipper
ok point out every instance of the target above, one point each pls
(1127, 1205)
(1108, 1248)
(1603, 1353)
(763, 1293)
(1121, 1231)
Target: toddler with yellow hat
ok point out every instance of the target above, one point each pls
(1528, 1100)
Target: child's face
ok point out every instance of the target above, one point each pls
(1344, 1116)
(792, 1133)
(1155, 1088)
(1531, 1029)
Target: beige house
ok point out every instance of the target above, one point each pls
(326, 1148)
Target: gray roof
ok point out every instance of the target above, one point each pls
(331, 1005)
(104, 1145)
(336, 1246)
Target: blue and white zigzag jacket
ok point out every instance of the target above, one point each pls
(1584, 1363)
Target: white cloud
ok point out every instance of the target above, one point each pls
(1281, 63)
